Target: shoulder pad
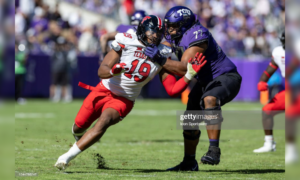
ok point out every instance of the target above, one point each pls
(122, 40)
(125, 37)
(277, 51)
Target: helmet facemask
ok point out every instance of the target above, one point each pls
(153, 37)
(150, 36)
(180, 18)
(170, 27)
(178, 26)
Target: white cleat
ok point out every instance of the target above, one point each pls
(63, 161)
(60, 165)
(291, 158)
(268, 147)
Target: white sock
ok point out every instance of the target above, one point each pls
(74, 151)
(269, 138)
(57, 93)
(290, 147)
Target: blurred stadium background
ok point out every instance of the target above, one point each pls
(247, 30)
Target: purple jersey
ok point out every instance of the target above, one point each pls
(122, 28)
(217, 62)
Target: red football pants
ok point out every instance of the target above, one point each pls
(97, 101)
(276, 105)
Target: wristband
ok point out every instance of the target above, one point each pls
(188, 76)
(273, 66)
(266, 73)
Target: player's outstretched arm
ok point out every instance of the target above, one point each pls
(175, 88)
(262, 85)
(109, 66)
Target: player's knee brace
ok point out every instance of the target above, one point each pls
(191, 134)
(213, 115)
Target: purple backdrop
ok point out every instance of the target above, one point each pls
(38, 78)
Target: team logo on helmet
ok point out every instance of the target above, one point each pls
(145, 18)
(184, 12)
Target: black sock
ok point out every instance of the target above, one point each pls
(188, 157)
(214, 142)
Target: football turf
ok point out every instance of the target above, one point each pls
(143, 145)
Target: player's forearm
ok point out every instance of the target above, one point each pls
(175, 88)
(108, 62)
(267, 74)
(104, 72)
(175, 67)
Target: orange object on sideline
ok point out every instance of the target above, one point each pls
(288, 96)
(264, 97)
(185, 95)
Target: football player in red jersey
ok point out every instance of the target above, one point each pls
(277, 104)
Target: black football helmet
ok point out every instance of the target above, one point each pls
(150, 24)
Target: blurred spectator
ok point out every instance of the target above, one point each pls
(20, 70)
(104, 7)
(52, 16)
(243, 28)
(126, 10)
(60, 87)
(20, 23)
(38, 23)
(27, 7)
(87, 43)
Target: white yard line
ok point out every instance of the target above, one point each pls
(152, 112)
(149, 112)
(22, 115)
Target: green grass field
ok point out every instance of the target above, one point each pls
(143, 145)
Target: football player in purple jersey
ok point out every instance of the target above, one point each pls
(217, 83)
(122, 28)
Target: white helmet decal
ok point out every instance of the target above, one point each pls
(184, 11)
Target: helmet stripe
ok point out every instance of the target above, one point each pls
(159, 22)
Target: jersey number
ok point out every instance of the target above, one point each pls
(196, 32)
(143, 73)
(127, 35)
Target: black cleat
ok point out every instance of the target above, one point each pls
(212, 156)
(186, 166)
